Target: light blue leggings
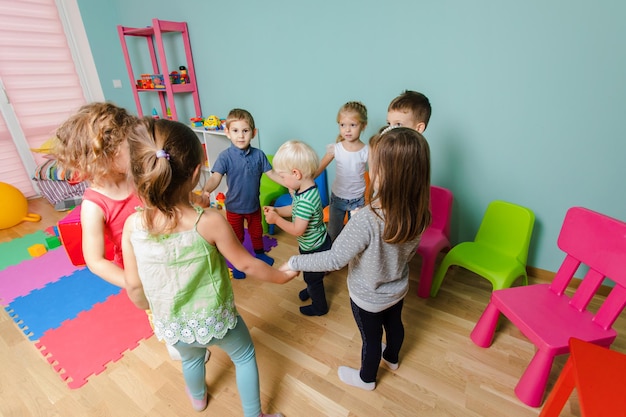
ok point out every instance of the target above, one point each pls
(238, 345)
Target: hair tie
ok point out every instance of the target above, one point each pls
(389, 128)
(162, 154)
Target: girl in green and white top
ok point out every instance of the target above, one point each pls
(174, 261)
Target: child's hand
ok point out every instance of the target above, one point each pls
(201, 200)
(285, 268)
(270, 214)
(290, 274)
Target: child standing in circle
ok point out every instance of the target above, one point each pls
(175, 264)
(350, 155)
(92, 143)
(377, 245)
(296, 162)
(409, 109)
(243, 166)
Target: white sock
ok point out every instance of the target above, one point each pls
(351, 377)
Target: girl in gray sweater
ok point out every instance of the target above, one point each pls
(377, 244)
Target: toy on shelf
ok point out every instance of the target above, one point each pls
(155, 115)
(145, 82)
(219, 200)
(212, 123)
(174, 77)
(14, 207)
(158, 81)
(155, 35)
(151, 82)
(184, 77)
(197, 121)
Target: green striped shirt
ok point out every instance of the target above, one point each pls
(307, 205)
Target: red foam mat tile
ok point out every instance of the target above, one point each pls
(85, 345)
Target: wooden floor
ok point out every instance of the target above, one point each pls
(442, 373)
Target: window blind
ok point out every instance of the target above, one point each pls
(40, 80)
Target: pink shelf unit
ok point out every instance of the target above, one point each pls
(154, 38)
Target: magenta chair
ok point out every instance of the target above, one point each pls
(436, 237)
(547, 316)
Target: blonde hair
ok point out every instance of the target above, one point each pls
(240, 114)
(298, 155)
(353, 107)
(89, 141)
(165, 156)
(400, 167)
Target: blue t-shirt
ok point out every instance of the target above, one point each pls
(243, 170)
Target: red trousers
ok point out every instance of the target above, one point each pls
(255, 228)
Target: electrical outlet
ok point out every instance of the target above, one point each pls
(117, 83)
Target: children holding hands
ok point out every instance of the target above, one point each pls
(175, 264)
(350, 155)
(377, 245)
(92, 143)
(171, 255)
(243, 166)
(296, 164)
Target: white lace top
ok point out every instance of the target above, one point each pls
(187, 284)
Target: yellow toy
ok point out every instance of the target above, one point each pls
(212, 123)
(37, 250)
(14, 207)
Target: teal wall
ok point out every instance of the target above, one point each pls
(528, 97)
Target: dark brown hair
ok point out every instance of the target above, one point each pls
(400, 178)
(416, 103)
(164, 157)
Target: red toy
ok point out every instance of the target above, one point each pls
(220, 199)
(71, 234)
(184, 77)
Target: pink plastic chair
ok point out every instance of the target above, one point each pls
(549, 317)
(436, 237)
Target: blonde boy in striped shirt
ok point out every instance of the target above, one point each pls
(296, 164)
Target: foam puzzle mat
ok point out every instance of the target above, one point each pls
(79, 322)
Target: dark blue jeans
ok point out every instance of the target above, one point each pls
(315, 281)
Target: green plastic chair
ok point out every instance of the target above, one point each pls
(269, 191)
(500, 250)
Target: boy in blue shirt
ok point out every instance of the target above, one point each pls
(243, 166)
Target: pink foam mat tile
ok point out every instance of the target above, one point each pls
(21, 279)
(85, 345)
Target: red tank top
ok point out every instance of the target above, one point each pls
(115, 214)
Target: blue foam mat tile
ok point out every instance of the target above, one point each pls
(62, 300)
